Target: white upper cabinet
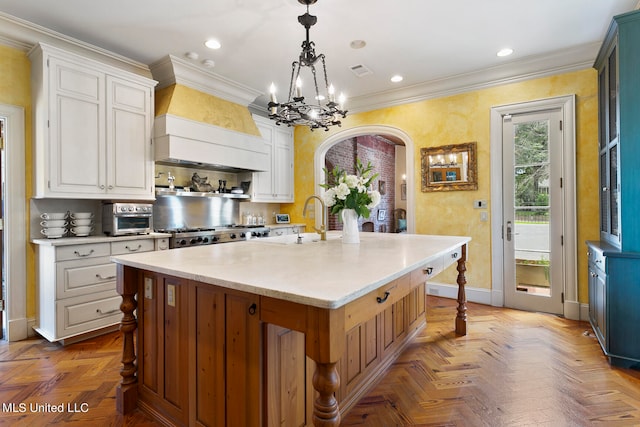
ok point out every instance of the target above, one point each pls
(92, 128)
(276, 184)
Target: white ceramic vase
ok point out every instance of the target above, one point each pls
(350, 233)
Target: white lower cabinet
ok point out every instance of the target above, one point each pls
(77, 295)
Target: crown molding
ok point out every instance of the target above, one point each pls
(532, 67)
(24, 35)
(171, 69)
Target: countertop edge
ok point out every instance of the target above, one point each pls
(66, 241)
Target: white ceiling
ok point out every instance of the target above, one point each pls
(427, 41)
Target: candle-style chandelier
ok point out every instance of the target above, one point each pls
(295, 111)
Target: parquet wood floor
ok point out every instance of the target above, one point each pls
(512, 369)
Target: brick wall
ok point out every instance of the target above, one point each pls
(381, 154)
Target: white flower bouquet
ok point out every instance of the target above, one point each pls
(344, 191)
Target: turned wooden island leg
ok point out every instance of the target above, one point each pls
(127, 391)
(326, 382)
(461, 317)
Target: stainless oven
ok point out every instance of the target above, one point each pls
(127, 218)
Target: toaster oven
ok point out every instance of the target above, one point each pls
(127, 218)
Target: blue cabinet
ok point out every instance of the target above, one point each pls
(614, 261)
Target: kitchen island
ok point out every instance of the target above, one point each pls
(202, 314)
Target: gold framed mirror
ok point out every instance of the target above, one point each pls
(449, 167)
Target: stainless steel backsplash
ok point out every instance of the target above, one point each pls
(171, 212)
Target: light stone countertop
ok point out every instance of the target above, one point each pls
(325, 274)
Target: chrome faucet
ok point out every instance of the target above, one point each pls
(323, 227)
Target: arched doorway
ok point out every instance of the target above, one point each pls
(387, 132)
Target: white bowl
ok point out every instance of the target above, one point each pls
(50, 223)
(81, 222)
(83, 230)
(81, 215)
(53, 232)
(54, 215)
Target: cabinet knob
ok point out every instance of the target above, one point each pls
(102, 187)
(605, 188)
(111, 187)
(253, 308)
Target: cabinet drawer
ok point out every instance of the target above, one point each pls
(86, 313)
(452, 256)
(427, 271)
(89, 250)
(596, 258)
(132, 246)
(81, 277)
(367, 306)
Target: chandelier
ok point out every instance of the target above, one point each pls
(296, 111)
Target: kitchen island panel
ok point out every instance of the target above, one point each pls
(297, 300)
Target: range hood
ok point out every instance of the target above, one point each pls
(186, 142)
(203, 120)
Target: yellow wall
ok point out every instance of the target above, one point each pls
(464, 118)
(15, 89)
(192, 104)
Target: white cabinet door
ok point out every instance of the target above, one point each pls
(283, 165)
(263, 181)
(129, 157)
(92, 136)
(276, 184)
(76, 128)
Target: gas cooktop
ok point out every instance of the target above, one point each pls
(185, 237)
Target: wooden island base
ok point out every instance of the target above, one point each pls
(213, 356)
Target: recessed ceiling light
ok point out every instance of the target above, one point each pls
(505, 52)
(358, 44)
(191, 55)
(212, 44)
(397, 78)
(209, 63)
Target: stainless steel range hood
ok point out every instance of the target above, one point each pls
(186, 142)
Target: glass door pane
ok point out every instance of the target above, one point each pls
(531, 207)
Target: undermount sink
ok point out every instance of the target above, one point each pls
(292, 239)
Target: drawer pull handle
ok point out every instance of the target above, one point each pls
(83, 255)
(133, 249)
(428, 270)
(383, 299)
(104, 313)
(101, 277)
(593, 274)
(454, 255)
(253, 308)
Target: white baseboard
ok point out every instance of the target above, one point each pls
(478, 295)
(18, 329)
(573, 310)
